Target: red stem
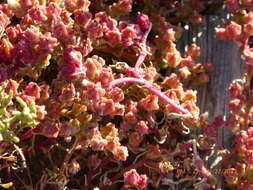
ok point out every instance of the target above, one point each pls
(125, 80)
(27, 134)
(167, 99)
(151, 89)
(143, 53)
(140, 59)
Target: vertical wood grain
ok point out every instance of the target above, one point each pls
(213, 97)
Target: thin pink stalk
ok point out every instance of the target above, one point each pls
(140, 59)
(167, 99)
(151, 89)
(126, 80)
(145, 37)
(143, 53)
(130, 71)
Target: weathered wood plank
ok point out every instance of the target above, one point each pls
(213, 97)
(224, 55)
